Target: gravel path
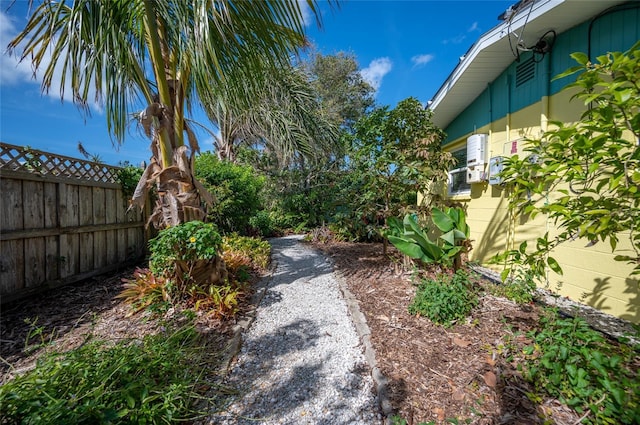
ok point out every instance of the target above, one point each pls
(301, 360)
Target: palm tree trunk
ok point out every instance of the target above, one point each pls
(180, 195)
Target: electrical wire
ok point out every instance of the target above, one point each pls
(542, 51)
(520, 46)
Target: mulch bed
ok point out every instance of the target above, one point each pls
(442, 374)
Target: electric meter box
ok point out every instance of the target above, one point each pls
(477, 150)
(475, 175)
(496, 164)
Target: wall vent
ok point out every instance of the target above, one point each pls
(525, 71)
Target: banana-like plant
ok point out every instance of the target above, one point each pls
(413, 240)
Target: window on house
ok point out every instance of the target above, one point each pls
(458, 174)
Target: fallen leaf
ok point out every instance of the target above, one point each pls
(490, 379)
(383, 317)
(439, 413)
(460, 342)
(489, 360)
(458, 394)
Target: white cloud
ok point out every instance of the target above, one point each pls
(473, 27)
(420, 60)
(455, 40)
(12, 71)
(376, 70)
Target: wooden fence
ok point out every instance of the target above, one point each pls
(62, 220)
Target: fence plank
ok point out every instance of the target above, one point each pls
(69, 206)
(11, 217)
(11, 266)
(86, 252)
(121, 236)
(69, 216)
(33, 202)
(69, 255)
(34, 262)
(52, 248)
(111, 216)
(85, 201)
(51, 205)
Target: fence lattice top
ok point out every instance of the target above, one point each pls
(19, 158)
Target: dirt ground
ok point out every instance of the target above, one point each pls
(435, 374)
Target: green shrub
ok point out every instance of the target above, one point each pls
(257, 250)
(413, 240)
(184, 243)
(520, 288)
(237, 189)
(149, 381)
(128, 176)
(445, 299)
(574, 363)
(187, 260)
(263, 224)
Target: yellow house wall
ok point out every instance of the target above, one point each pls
(591, 275)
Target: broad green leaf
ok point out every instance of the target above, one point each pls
(441, 220)
(408, 248)
(433, 251)
(417, 233)
(505, 274)
(523, 247)
(568, 72)
(459, 235)
(553, 265)
(449, 238)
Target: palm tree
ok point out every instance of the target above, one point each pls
(163, 57)
(285, 117)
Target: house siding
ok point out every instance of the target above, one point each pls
(614, 32)
(508, 114)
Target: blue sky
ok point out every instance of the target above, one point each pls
(404, 48)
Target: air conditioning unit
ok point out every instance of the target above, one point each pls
(476, 175)
(477, 150)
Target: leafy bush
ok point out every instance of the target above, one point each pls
(237, 189)
(520, 288)
(187, 258)
(256, 250)
(574, 363)
(154, 380)
(145, 290)
(128, 176)
(412, 240)
(446, 299)
(175, 249)
(263, 224)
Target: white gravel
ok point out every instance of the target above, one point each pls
(301, 361)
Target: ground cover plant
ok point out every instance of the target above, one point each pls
(576, 364)
(156, 379)
(445, 299)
